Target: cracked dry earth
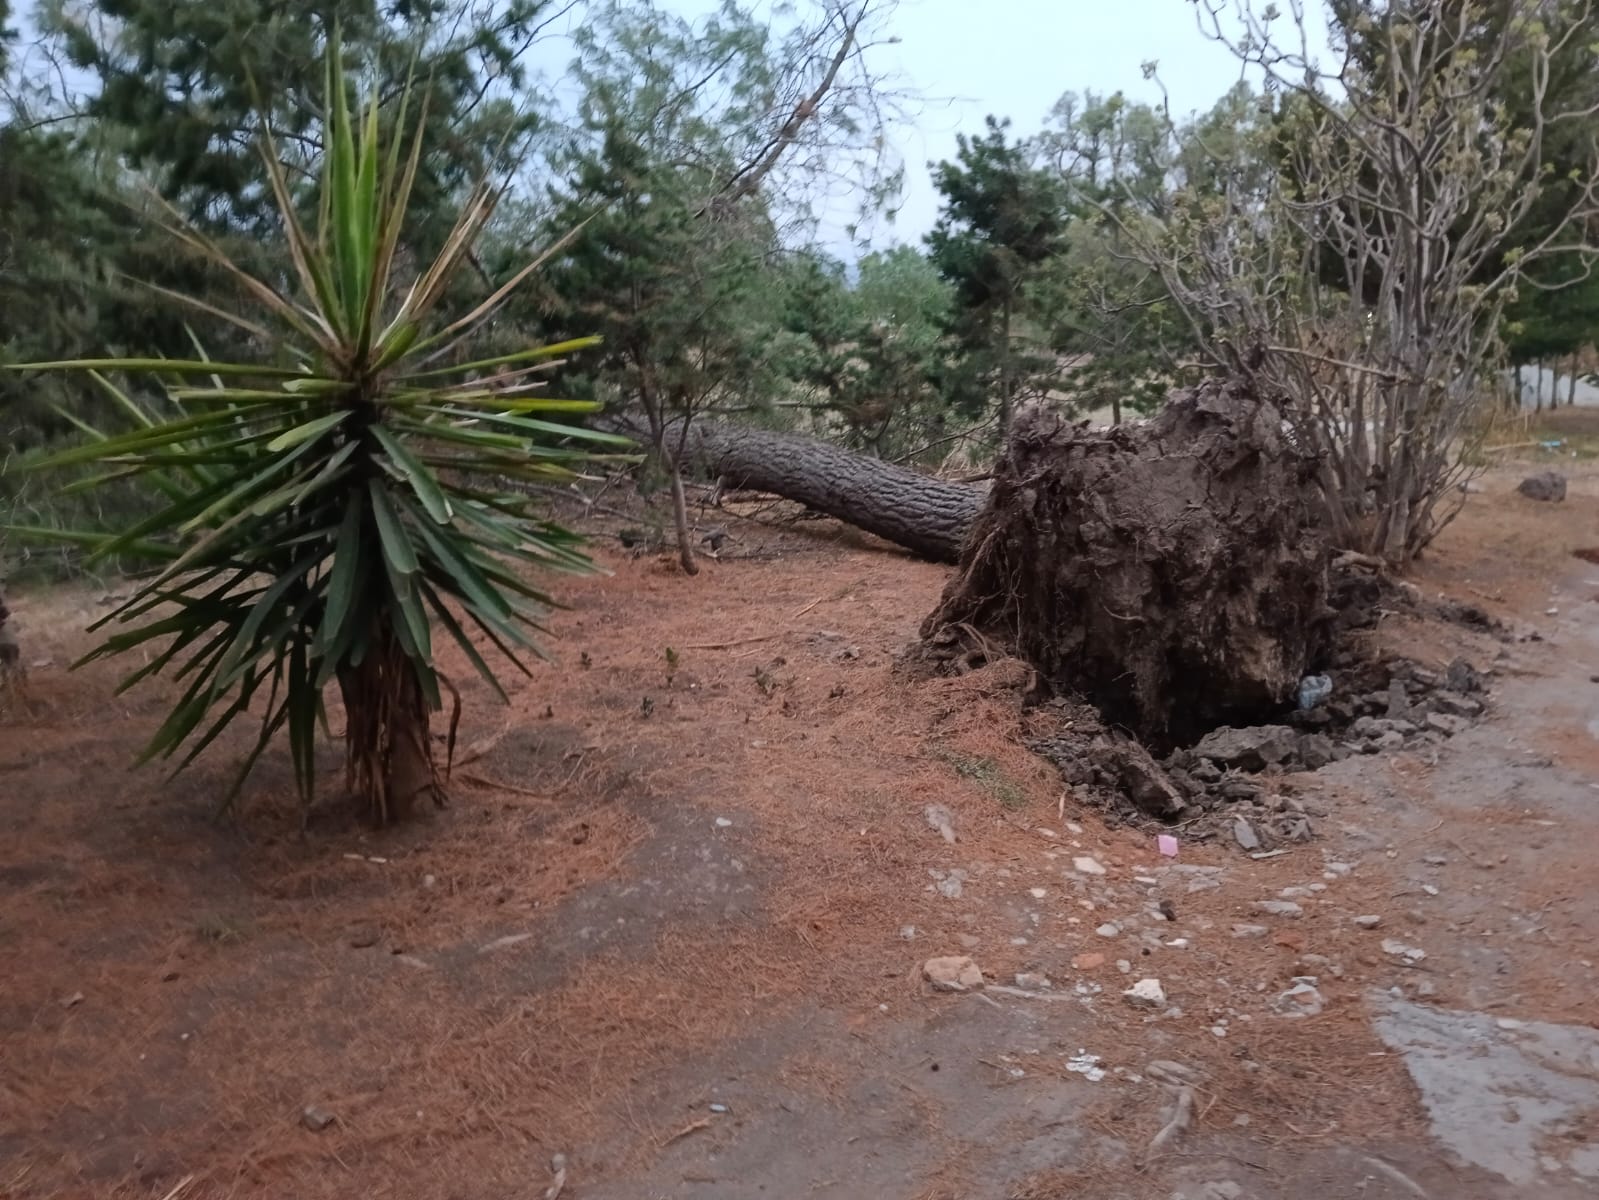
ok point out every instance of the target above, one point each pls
(674, 926)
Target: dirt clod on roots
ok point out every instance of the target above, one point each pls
(1173, 575)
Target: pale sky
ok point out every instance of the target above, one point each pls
(1018, 57)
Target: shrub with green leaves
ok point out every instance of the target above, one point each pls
(326, 504)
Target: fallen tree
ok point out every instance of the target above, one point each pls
(927, 516)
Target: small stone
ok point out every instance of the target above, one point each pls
(1108, 930)
(1244, 834)
(1456, 705)
(1125, 967)
(719, 1109)
(1033, 981)
(1279, 908)
(1296, 893)
(1429, 889)
(949, 887)
(969, 941)
(952, 973)
(1549, 486)
(1426, 989)
(1399, 950)
(1250, 931)
(1073, 827)
(1368, 920)
(1087, 962)
(1301, 1000)
(73, 1000)
(1038, 893)
(429, 880)
(1435, 860)
(1447, 725)
(363, 936)
(939, 819)
(1086, 865)
(1339, 868)
(1146, 993)
(724, 823)
(1219, 1030)
(908, 932)
(1392, 740)
(316, 1119)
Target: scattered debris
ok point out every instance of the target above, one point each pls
(1167, 845)
(949, 887)
(1249, 749)
(1146, 993)
(940, 821)
(1182, 1116)
(500, 943)
(316, 1119)
(557, 1177)
(952, 973)
(1084, 1063)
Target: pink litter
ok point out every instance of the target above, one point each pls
(1167, 844)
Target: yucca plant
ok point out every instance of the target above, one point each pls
(324, 505)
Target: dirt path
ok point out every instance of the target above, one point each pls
(673, 929)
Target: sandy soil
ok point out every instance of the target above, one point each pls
(672, 926)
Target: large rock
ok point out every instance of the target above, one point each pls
(1546, 485)
(1250, 749)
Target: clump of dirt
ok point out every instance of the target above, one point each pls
(1174, 575)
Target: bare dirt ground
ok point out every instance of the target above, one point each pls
(672, 926)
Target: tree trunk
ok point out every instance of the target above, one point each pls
(927, 516)
(1571, 381)
(10, 651)
(387, 744)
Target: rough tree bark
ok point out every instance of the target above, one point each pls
(929, 517)
(1174, 575)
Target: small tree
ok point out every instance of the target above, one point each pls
(1003, 217)
(1408, 171)
(327, 499)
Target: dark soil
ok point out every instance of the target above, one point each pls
(1172, 575)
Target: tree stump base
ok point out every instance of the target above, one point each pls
(1174, 575)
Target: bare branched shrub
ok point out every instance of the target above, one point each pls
(1363, 277)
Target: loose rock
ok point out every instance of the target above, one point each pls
(952, 973)
(1368, 920)
(316, 1119)
(1301, 1000)
(1279, 908)
(1546, 485)
(1249, 749)
(939, 819)
(1033, 981)
(1087, 865)
(1250, 931)
(1244, 834)
(1146, 993)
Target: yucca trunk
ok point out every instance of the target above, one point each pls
(387, 743)
(10, 652)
